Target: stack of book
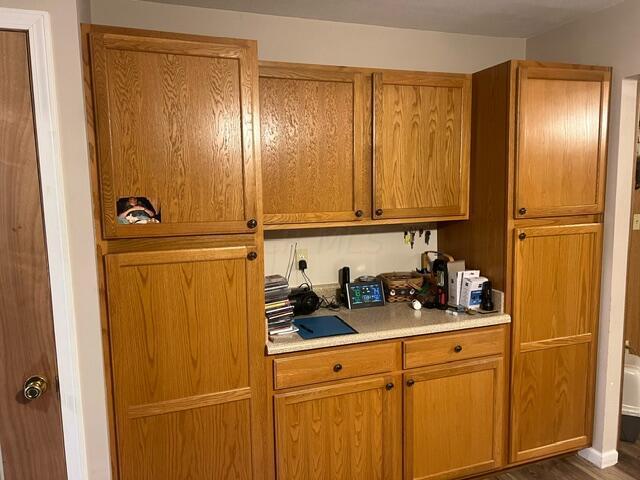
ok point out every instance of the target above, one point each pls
(278, 309)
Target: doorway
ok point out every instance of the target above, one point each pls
(31, 437)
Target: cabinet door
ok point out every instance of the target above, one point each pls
(454, 419)
(180, 324)
(421, 145)
(561, 141)
(555, 312)
(347, 431)
(176, 124)
(313, 144)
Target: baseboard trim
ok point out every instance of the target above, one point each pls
(598, 458)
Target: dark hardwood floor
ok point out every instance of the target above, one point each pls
(573, 467)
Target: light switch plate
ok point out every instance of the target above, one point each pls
(636, 221)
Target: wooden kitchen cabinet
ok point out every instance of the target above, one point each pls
(421, 145)
(182, 329)
(343, 431)
(315, 143)
(555, 309)
(176, 122)
(561, 140)
(454, 419)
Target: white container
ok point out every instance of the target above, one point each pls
(631, 385)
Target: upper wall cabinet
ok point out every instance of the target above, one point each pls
(177, 130)
(560, 140)
(315, 152)
(421, 145)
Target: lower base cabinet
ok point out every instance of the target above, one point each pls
(453, 419)
(345, 431)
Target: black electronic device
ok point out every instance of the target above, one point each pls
(304, 300)
(344, 277)
(439, 270)
(364, 294)
(486, 296)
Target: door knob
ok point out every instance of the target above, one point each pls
(35, 387)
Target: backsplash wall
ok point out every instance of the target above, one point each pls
(365, 250)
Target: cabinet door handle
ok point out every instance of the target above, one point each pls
(359, 213)
(379, 212)
(522, 236)
(253, 223)
(457, 348)
(252, 255)
(410, 382)
(337, 367)
(522, 211)
(389, 386)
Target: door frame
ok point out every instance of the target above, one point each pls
(38, 27)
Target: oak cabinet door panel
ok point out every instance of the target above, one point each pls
(561, 141)
(314, 147)
(421, 145)
(175, 124)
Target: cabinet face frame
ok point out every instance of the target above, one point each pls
(392, 414)
(418, 79)
(526, 72)
(553, 345)
(244, 52)
(361, 164)
(495, 364)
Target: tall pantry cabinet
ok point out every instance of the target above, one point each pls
(174, 121)
(535, 228)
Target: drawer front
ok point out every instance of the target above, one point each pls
(450, 347)
(338, 364)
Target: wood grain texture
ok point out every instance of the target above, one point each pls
(175, 123)
(454, 419)
(421, 144)
(314, 150)
(441, 348)
(561, 141)
(30, 432)
(321, 367)
(181, 311)
(555, 314)
(345, 431)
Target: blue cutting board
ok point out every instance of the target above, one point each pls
(318, 327)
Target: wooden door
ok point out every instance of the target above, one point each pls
(346, 431)
(31, 441)
(421, 145)
(177, 124)
(561, 141)
(453, 420)
(555, 316)
(179, 324)
(316, 163)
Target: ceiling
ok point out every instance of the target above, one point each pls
(502, 18)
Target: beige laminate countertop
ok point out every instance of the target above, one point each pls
(383, 323)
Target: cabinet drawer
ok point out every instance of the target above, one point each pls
(335, 365)
(450, 347)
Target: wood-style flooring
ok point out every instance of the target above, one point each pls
(573, 467)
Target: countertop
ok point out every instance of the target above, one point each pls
(383, 323)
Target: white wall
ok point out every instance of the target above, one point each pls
(68, 81)
(332, 43)
(609, 37)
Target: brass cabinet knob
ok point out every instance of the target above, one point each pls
(522, 211)
(379, 212)
(35, 387)
(359, 213)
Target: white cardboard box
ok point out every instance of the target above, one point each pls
(470, 296)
